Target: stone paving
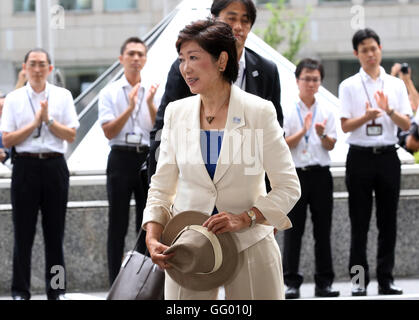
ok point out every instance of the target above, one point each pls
(410, 288)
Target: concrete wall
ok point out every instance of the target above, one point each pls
(84, 248)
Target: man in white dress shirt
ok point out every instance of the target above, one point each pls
(374, 104)
(127, 111)
(38, 120)
(310, 132)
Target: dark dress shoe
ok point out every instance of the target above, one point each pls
(57, 297)
(358, 291)
(19, 297)
(326, 292)
(292, 293)
(389, 288)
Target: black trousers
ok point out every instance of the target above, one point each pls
(367, 172)
(316, 192)
(38, 184)
(124, 177)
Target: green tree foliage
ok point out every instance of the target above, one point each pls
(285, 25)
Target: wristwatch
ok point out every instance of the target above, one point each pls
(323, 136)
(50, 122)
(252, 215)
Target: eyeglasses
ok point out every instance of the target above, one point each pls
(41, 65)
(309, 79)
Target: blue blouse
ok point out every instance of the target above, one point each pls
(211, 142)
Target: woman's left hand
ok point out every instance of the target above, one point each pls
(227, 222)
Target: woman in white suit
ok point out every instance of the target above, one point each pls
(215, 149)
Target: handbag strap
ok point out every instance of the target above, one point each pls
(137, 243)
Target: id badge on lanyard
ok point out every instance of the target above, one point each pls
(306, 155)
(133, 138)
(373, 129)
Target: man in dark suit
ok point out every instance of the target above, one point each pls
(257, 75)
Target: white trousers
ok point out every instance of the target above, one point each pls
(259, 277)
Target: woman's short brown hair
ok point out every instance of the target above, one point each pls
(214, 37)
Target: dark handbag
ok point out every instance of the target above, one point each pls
(138, 279)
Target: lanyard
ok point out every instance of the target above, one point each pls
(140, 99)
(34, 112)
(366, 92)
(307, 135)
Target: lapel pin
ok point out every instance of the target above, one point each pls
(255, 74)
(237, 120)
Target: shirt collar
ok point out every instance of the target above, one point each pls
(32, 93)
(304, 107)
(125, 84)
(366, 77)
(242, 61)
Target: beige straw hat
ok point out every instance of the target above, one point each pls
(202, 260)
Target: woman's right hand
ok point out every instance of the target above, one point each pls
(155, 247)
(156, 250)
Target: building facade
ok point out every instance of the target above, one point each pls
(87, 35)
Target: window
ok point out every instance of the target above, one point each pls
(24, 5)
(120, 5)
(77, 79)
(29, 5)
(76, 5)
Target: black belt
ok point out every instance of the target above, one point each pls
(141, 148)
(45, 155)
(374, 150)
(316, 167)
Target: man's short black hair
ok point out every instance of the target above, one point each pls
(132, 40)
(310, 64)
(37, 50)
(220, 5)
(363, 34)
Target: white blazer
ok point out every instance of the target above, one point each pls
(253, 143)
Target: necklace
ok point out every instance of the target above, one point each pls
(211, 118)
